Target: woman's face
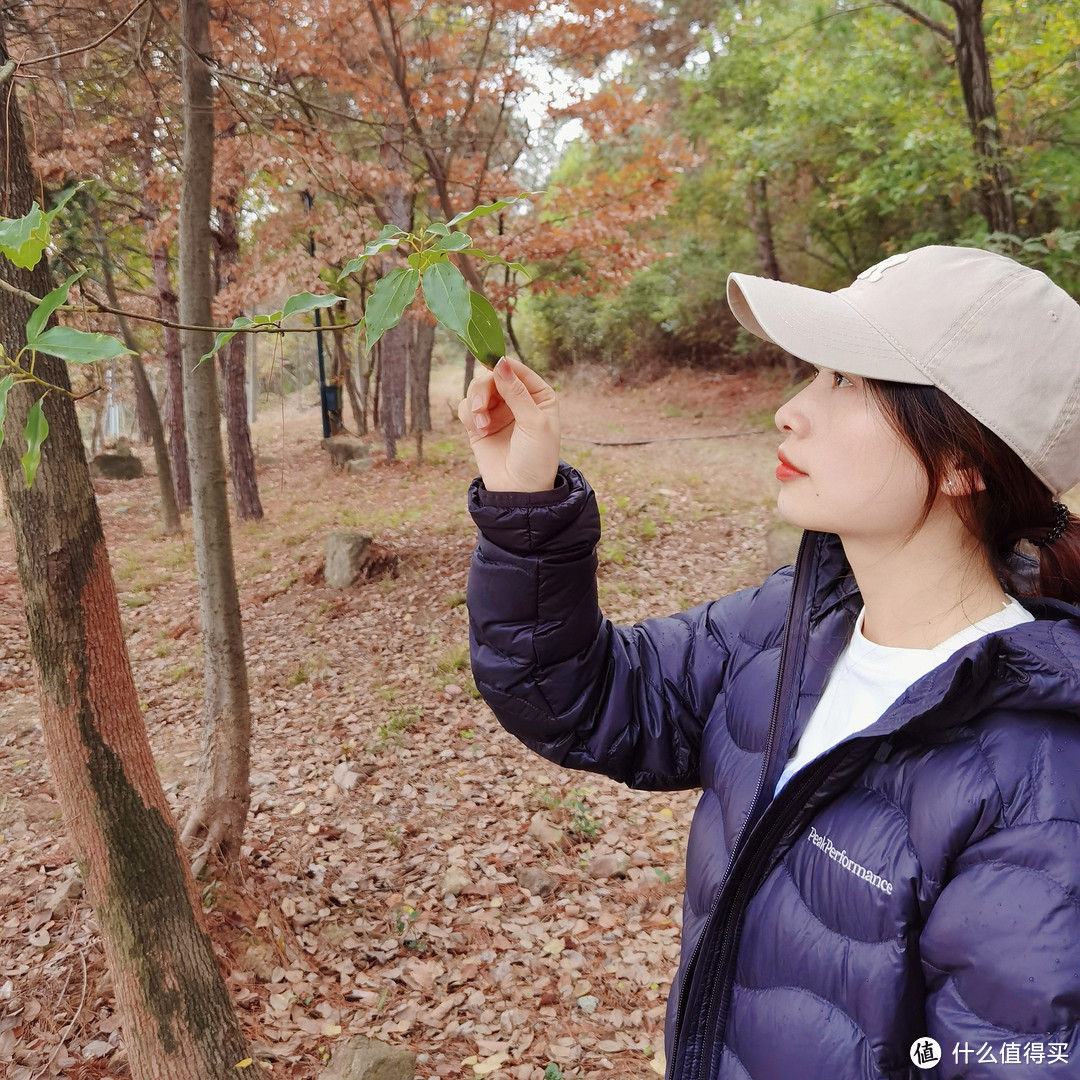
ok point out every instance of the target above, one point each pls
(843, 468)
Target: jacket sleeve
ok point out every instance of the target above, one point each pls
(1001, 956)
(629, 702)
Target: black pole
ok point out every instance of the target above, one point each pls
(318, 340)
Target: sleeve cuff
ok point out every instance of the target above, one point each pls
(522, 499)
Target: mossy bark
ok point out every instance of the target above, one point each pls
(178, 1022)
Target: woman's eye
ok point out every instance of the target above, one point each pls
(840, 379)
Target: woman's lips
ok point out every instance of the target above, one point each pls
(786, 471)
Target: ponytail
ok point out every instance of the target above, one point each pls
(1059, 561)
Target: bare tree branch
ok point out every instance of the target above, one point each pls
(918, 16)
(86, 48)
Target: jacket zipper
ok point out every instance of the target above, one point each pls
(798, 597)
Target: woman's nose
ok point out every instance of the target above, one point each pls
(789, 417)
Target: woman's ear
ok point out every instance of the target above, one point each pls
(962, 482)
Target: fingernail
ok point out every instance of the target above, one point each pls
(477, 403)
(503, 369)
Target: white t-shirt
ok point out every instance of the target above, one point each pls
(868, 678)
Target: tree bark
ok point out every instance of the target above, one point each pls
(973, 67)
(177, 1019)
(168, 309)
(144, 392)
(470, 367)
(222, 794)
(233, 360)
(420, 373)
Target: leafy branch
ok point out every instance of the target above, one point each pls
(467, 314)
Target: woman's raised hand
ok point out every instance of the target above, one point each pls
(512, 417)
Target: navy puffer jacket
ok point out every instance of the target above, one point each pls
(921, 879)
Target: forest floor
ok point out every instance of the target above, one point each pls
(389, 883)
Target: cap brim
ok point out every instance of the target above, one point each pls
(819, 327)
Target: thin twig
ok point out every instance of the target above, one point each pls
(669, 438)
(82, 999)
(86, 48)
(108, 309)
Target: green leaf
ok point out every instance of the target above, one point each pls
(36, 323)
(76, 346)
(306, 301)
(488, 208)
(63, 199)
(458, 241)
(37, 428)
(484, 333)
(24, 239)
(389, 299)
(487, 257)
(225, 336)
(416, 261)
(438, 228)
(6, 383)
(447, 296)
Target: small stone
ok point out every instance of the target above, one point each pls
(541, 829)
(452, 690)
(538, 882)
(455, 881)
(116, 466)
(605, 866)
(357, 465)
(368, 1059)
(262, 779)
(588, 1003)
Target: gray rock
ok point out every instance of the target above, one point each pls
(538, 882)
(357, 465)
(782, 544)
(344, 558)
(343, 449)
(368, 1059)
(116, 466)
(588, 1003)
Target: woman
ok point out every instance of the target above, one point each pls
(883, 872)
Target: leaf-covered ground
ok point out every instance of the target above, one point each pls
(411, 873)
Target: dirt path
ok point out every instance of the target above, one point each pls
(390, 903)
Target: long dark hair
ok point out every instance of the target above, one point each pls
(1015, 505)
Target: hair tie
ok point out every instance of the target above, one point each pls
(1061, 523)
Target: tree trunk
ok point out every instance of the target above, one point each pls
(233, 360)
(144, 392)
(973, 68)
(169, 310)
(420, 373)
(396, 344)
(757, 199)
(470, 367)
(144, 403)
(222, 794)
(177, 1020)
(343, 372)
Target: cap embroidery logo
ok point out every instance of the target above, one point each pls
(873, 273)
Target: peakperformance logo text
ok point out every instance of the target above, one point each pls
(852, 867)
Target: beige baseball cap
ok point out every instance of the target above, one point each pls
(1002, 340)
